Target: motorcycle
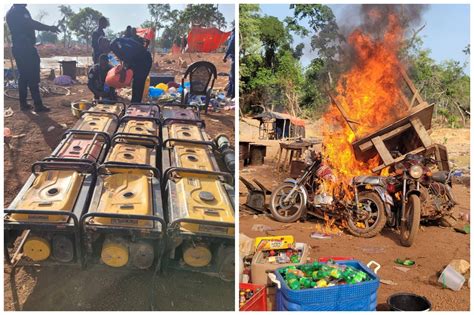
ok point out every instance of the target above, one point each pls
(297, 198)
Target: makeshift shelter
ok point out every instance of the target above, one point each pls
(202, 39)
(275, 126)
(146, 33)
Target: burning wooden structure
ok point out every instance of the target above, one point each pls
(408, 135)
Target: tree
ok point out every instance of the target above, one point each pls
(66, 15)
(41, 15)
(206, 15)
(84, 23)
(159, 15)
(47, 38)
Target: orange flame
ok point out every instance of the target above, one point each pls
(370, 94)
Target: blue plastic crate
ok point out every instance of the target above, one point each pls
(347, 297)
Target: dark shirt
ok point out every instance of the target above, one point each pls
(127, 48)
(98, 33)
(22, 26)
(230, 51)
(96, 78)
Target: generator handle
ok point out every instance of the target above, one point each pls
(123, 216)
(170, 121)
(105, 135)
(137, 136)
(143, 118)
(111, 102)
(147, 104)
(89, 168)
(184, 141)
(153, 142)
(194, 107)
(167, 174)
(100, 113)
(123, 165)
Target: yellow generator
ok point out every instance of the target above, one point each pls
(188, 114)
(116, 108)
(125, 226)
(100, 122)
(46, 213)
(132, 151)
(198, 199)
(81, 146)
(139, 127)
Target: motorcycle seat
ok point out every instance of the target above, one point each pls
(441, 176)
(368, 180)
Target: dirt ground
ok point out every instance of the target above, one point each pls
(69, 288)
(433, 249)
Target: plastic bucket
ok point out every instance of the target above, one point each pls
(408, 302)
(452, 279)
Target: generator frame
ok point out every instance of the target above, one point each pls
(158, 236)
(175, 232)
(70, 227)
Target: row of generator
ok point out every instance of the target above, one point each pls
(130, 185)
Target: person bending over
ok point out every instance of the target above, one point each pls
(97, 75)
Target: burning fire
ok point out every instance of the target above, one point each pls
(370, 95)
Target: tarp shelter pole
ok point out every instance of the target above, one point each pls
(284, 129)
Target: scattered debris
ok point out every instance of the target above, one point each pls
(405, 262)
(63, 80)
(402, 269)
(8, 112)
(451, 279)
(50, 128)
(373, 250)
(460, 265)
(261, 228)
(322, 236)
(388, 282)
(466, 229)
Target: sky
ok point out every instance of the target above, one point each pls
(446, 32)
(119, 15)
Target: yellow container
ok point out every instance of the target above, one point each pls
(274, 242)
(51, 190)
(139, 127)
(162, 86)
(192, 156)
(203, 197)
(185, 132)
(108, 108)
(97, 123)
(132, 153)
(125, 192)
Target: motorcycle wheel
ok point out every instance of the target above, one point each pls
(374, 222)
(409, 229)
(290, 212)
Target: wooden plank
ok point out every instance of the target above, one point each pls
(382, 150)
(367, 145)
(349, 121)
(421, 131)
(441, 154)
(411, 86)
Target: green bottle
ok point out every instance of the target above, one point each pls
(294, 284)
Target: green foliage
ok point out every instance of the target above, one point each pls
(47, 38)
(206, 15)
(84, 23)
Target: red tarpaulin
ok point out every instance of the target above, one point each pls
(206, 39)
(146, 33)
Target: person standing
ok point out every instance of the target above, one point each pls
(98, 33)
(22, 29)
(230, 52)
(134, 56)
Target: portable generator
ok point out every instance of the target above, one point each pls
(132, 151)
(200, 211)
(81, 146)
(112, 107)
(188, 114)
(139, 127)
(42, 224)
(100, 122)
(125, 226)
